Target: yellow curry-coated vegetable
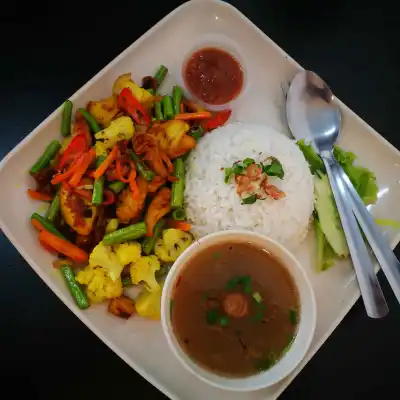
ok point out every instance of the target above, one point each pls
(172, 244)
(103, 256)
(101, 149)
(112, 225)
(125, 81)
(144, 271)
(71, 216)
(100, 286)
(121, 128)
(148, 304)
(128, 252)
(104, 111)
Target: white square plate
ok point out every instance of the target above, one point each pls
(141, 342)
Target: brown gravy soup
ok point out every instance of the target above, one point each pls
(235, 309)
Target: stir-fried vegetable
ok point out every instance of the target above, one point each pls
(117, 178)
(172, 244)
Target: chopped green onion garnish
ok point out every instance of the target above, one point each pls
(240, 280)
(217, 255)
(293, 316)
(228, 174)
(224, 320)
(248, 161)
(212, 316)
(250, 200)
(257, 297)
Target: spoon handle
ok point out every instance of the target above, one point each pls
(374, 301)
(384, 254)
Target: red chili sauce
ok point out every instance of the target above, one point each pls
(213, 76)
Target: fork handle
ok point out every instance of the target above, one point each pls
(383, 253)
(371, 292)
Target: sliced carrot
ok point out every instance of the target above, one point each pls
(183, 226)
(119, 170)
(37, 225)
(106, 163)
(192, 106)
(63, 246)
(47, 247)
(67, 174)
(196, 115)
(84, 163)
(33, 194)
(86, 194)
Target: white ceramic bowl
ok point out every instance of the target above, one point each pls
(307, 313)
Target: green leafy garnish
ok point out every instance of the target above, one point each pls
(197, 134)
(265, 363)
(237, 169)
(314, 161)
(250, 200)
(212, 316)
(293, 316)
(245, 281)
(259, 315)
(224, 320)
(217, 255)
(289, 345)
(228, 175)
(248, 161)
(274, 169)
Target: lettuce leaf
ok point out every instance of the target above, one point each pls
(363, 180)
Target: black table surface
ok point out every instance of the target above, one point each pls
(50, 50)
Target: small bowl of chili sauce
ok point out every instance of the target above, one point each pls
(213, 75)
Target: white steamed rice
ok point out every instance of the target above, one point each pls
(212, 205)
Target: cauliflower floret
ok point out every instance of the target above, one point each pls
(148, 304)
(103, 256)
(172, 244)
(100, 286)
(128, 252)
(120, 129)
(144, 270)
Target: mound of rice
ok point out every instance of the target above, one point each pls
(212, 205)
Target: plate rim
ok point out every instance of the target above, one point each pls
(69, 303)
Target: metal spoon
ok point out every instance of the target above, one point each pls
(313, 116)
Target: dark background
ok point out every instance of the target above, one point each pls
(50, 49)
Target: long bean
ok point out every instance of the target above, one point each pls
(161, 74)
(149, 242)
(168, 111)
(177, 95)
(142, 168)
(179, 214)
(116, 186)
(98, 191)
(131, 232)
(178, 187)
(48, 225)
(66, 118)
(54, 208)
(98, 186)
(51, 150)
(158, 111)
(76, 290)
(94, 126)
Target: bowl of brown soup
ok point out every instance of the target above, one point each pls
(238, 310)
